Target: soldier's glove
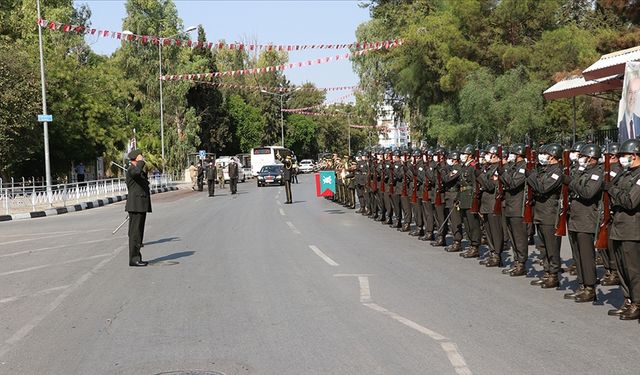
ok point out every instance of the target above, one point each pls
(566, 179)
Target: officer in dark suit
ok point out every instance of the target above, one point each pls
(624, 191)
(200, 176)
(286, 175)
(233, 176)
(492, 220)
(212, 174)
(547, 186)
(138, 204)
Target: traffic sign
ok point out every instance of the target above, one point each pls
(45, 118)
(202, 154)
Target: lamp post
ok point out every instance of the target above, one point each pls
(160, 42)
(281, 109)
(45, 124)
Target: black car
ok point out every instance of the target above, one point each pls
(270, 175)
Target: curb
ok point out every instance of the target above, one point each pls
(77, 207)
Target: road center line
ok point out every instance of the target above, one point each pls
(293, 227)
(282, 212)
(54, 264)
(324, 256)
(58, 247)
(39, 293)
(450, 348)
(22, 332)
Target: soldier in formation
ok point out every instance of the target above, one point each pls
(589, 194)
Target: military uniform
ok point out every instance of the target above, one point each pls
(492, 221)
(405, 195)
(547, 184)
(211, 178)
(451, 186)
(470, 219)
(415, 182)
(513, 182)
(625, 204)
(397, 174)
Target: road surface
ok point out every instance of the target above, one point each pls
(244, 284)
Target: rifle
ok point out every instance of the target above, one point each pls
(438, 199)
(561, 229)
(475, 204)
(374, 184)
(405, 180)
(392, 178)
(382, 188)
(497, 208)
(528, 203)
(602, 240)
(414, 193)
(425, 184)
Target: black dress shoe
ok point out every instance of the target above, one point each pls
(138, 264)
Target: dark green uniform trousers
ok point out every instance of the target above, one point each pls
(584, 256)
(136, 232)
(550, 251)
(630, 271)
(517, 230)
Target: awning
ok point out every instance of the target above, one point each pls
(612, 63)
(578, 85)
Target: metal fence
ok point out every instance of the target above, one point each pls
(28, 195)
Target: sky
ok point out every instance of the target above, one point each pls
(266, 21)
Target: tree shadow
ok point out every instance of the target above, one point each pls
(181, 254)
(162, 240)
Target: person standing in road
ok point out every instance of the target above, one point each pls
(286, 175)
(200, 176)
(220, 170)
(233, 176)
(211, 178)
(295, 171)
(138, 204)
(193, 173)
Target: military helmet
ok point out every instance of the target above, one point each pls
(440, 150)
(468, 149)
(492, 149)
(612, 148)
(396, 152)
(388, 150)
(431, 151)
(359, 153)
(554, 150)
(591, 150)
(417, 152)
(577, 146)
(453, 154)
(518, 149)
(630, 146)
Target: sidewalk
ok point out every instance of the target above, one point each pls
(77, 207)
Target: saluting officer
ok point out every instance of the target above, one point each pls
(513, 181)
(137, 205)
(467, 191)
(286, 175)
(492, 220)
(547, 184)
(585, 188)
(625, 203)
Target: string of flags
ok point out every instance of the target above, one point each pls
(274, 68)
(145, 39)
(276, 88)
(307, 109)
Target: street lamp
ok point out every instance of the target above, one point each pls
(281, 109)
(45, 124)
(160, 42)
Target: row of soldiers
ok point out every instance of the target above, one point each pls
(587, 193)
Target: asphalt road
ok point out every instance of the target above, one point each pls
(247, 285)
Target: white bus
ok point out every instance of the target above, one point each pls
(266, 155)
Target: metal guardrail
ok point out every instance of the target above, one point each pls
(26, 195)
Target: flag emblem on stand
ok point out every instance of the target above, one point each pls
(325, 183)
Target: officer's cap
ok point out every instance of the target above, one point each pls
(134, 154)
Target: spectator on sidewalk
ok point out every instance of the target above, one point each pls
(80, 172)
(193, 173)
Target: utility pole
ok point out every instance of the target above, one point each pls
(45, 125)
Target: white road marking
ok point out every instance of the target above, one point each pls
(351, 274)
(45, 237)
(54, 264)
(279, 203)
(324, 256)
(40, 234)
(39, 293)
(365, 291)
(450, 348)
(293, 227)
(22, 332)
(282, 212)
(58, 247)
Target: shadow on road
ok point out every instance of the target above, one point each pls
(335, 212)
(163, 240)
(181, 254)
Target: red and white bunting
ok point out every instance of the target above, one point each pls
(155, 40)
(346, 56)
(307, 109)
(275, 88)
